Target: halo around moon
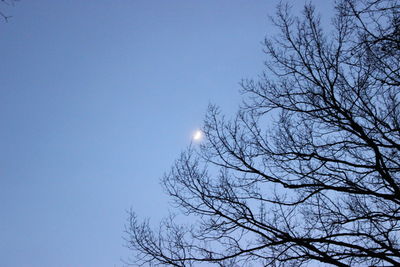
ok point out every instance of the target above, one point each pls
(198, 135)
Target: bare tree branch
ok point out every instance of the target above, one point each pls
(309, 168)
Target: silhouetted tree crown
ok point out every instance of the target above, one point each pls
(309, 169)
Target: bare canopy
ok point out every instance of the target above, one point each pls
(309, 169)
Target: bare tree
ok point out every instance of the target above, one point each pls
(309, 169)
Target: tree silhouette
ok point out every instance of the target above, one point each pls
(309, 169)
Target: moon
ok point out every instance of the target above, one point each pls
(198, 135)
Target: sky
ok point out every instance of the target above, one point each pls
(97, 100)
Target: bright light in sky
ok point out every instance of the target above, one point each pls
(198, 135)
(108, 120)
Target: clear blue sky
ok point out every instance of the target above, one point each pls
(97, 99)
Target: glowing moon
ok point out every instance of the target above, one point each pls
(198, 135)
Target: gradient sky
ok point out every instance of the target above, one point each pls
(97, 99)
